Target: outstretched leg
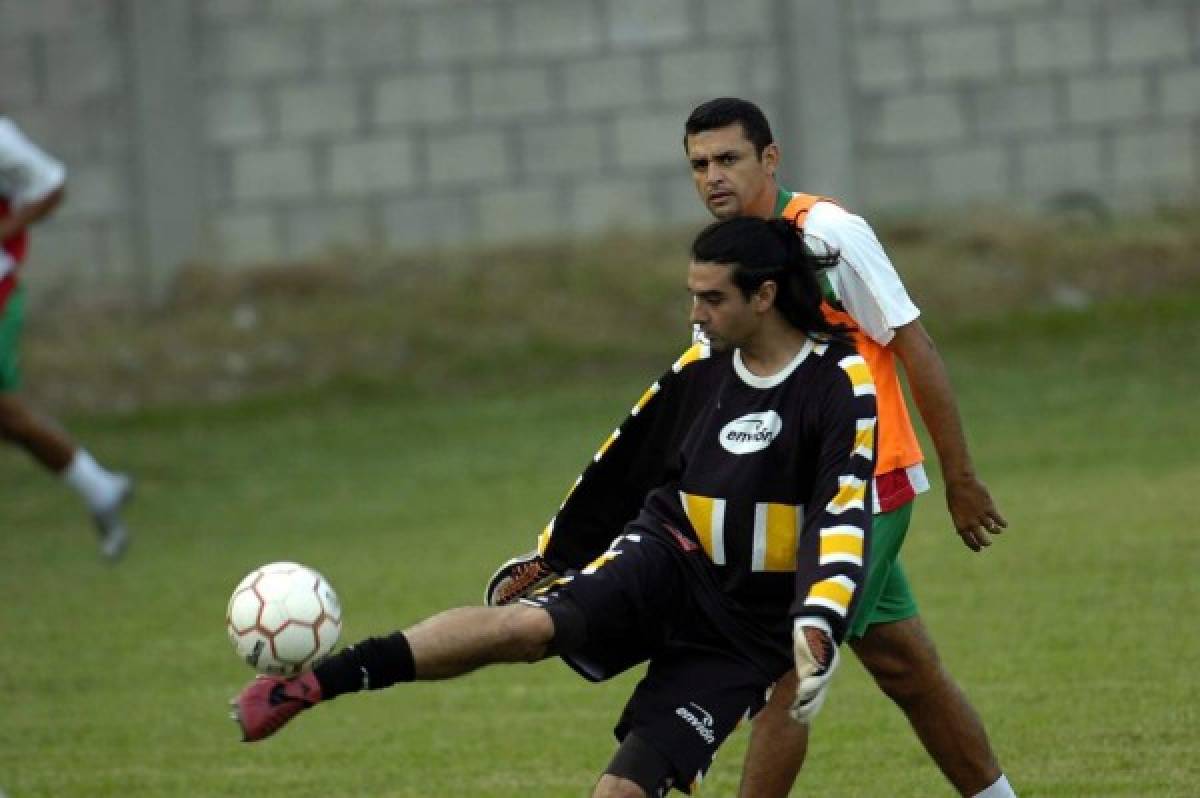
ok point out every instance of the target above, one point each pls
(458, 641)
(449, 644)
(904, 662)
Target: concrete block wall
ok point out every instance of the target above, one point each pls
(405, 125)
(1025, 100)
(64, 84)
(408, 124)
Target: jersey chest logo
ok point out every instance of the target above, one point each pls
(752, 432)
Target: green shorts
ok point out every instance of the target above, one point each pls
(886, 596)
(11, 317)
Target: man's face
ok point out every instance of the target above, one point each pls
(726, 318)
(729, 175)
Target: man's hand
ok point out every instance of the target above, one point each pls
(975, 516)
(816, 659)
(974, 513)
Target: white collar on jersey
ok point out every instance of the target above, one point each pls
(754, 381)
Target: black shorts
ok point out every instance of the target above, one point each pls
(637, 603)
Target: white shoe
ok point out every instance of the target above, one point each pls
(114, 535)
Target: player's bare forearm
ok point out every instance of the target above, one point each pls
(971, 507)
(31, 213)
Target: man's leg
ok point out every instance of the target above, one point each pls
(449, 644)
(561, 619)
(637, 770)
(904, 662)
(49, 445)
(104, 492)
(458, 641)
(777, 746)
(18, 423)
(611, 786)
(444, 646)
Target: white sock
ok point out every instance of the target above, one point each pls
(98, 486)
(1001, 789)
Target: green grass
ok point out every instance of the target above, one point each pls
(1074, 635)
(456, 319)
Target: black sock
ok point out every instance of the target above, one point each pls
(373, 664)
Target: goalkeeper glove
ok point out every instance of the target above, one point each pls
(816, 659)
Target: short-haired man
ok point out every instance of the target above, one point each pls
(733, 157)
(32, 185)
(743, 564)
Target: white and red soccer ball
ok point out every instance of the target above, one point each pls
(283, 618)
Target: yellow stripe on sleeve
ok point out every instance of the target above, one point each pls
(544, 538)
(570, 490)
(601, 561)
(604, 448)
(841, 544)
(864, 438)
(694, 353)
(646, 397)
(850, 496)
(833, 593)
(859, 373)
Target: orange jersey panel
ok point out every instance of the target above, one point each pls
(897, 446)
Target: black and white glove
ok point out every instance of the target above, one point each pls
(816, 659)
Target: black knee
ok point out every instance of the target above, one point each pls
(637, 761)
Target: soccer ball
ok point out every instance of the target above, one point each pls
(283, 618)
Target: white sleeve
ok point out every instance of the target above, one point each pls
(864, 280)
(27, 174)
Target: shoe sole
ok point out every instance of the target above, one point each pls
(123, 539)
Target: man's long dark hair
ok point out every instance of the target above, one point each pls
(771, 249)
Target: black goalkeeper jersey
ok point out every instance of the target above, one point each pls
(771, 478)
(772, 481)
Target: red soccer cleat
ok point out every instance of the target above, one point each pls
(268, 702)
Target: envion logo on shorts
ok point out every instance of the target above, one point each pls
(700, 721)
(752, 432)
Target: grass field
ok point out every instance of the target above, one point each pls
(1075, 636)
